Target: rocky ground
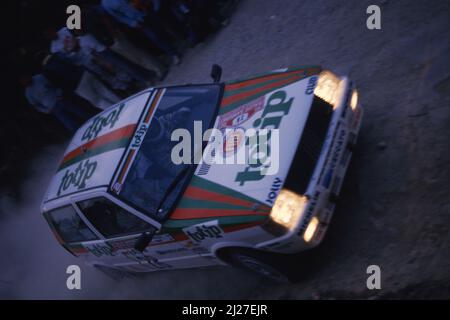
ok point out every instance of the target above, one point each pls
(395, 207)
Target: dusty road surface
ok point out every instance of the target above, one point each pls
(395, 207)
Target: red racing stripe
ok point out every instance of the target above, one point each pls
(155, 102)
(126, 131)
(190, 213)
(247, 83)
(240, 96)
(126, 165)
(202, 194)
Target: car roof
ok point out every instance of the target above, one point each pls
(97, 148)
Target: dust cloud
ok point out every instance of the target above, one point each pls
(33, 264)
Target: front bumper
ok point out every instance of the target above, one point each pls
(327, 179)
(333, 174)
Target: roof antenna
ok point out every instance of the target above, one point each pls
(216, 73)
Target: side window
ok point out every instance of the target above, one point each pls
(111, 220)
(69, 226)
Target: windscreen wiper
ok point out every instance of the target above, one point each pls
(177, 180)
(180, 176)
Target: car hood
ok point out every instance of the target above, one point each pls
(280, 100)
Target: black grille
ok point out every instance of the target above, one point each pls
(311, 143)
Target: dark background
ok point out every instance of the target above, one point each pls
(24, 131)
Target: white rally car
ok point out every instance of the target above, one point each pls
(120, 202)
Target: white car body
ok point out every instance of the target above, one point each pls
(218, 209)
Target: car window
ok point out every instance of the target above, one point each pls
(110, 219)
(154, 180)
(69, 226)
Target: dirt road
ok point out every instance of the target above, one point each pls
(395, 207)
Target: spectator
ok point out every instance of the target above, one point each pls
(125, 48)
(68, 45)
(163, 20)
(102, 55)
(60, 41)
(98, 23)
(46, 98)
(73, 78)
(87, 53)
(134, 14)
(173, 15)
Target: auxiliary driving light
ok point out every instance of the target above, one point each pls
(311, 229)
(354, 100)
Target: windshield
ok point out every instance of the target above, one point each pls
(154, 181)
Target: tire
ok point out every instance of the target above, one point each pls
(262, 263)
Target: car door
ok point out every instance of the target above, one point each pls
(120, 226)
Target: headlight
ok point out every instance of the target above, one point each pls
(354, 99)
(328, 87)
(288, 209)
(311, 229)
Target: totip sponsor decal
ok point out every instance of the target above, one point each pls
(78, 177)
(204, 231)
(101, 122)
(115, 139)
(278, 105)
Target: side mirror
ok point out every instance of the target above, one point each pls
(143, 241)
(216, 73)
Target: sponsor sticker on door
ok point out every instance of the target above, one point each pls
(204, 231)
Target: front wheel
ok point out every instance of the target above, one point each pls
(263, 263)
